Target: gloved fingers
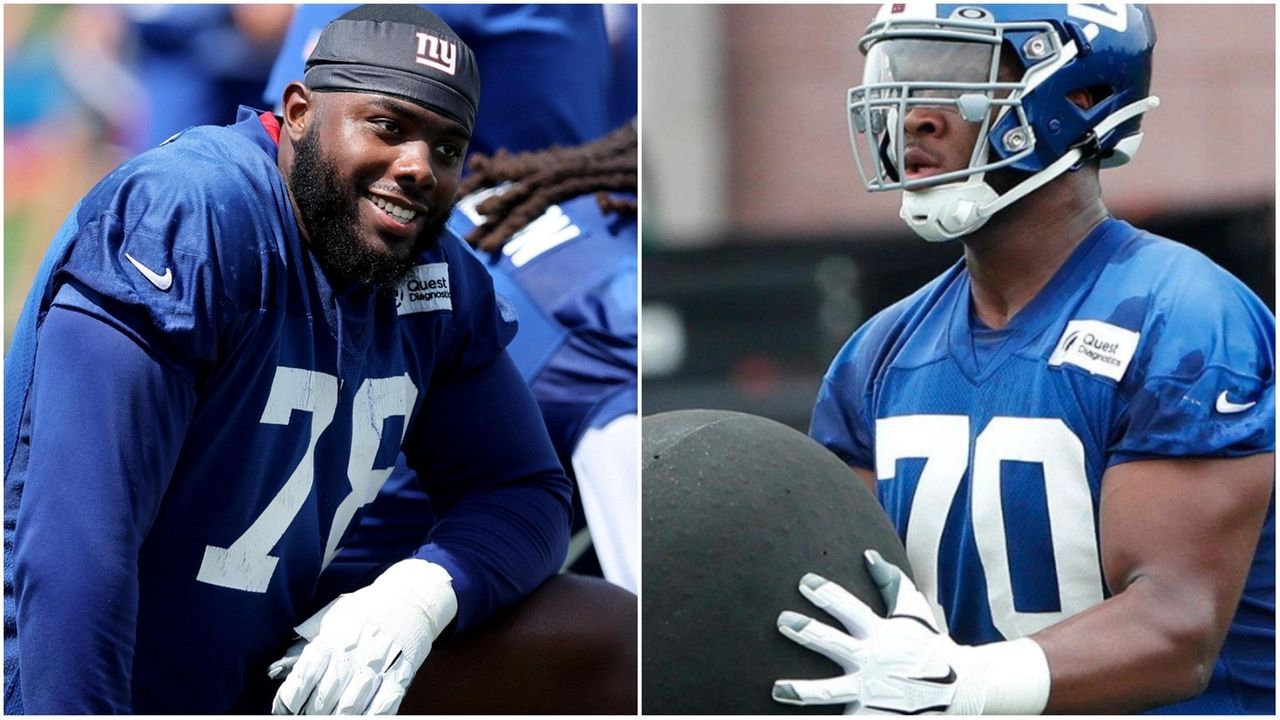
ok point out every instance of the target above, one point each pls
(281, 668)
(355, 699)
(296, 689)
(395, 684)
(901, 596)
(854, 614)
(386, 701)
(827, 691)
(329, 687)
(821, 638)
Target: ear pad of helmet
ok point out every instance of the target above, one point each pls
(736, 509)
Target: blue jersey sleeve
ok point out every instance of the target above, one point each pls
(840, 420)
(109, 420)
(483, 455)
(158, 265)
(1202, 383)
(844, 415)
(172, 250)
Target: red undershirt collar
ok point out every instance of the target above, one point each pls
(272, 125)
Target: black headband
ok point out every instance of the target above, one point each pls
(422, 61)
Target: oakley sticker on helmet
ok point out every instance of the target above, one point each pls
(436, 53)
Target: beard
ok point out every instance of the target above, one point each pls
(330, 212)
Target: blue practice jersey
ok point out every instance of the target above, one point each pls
(545, 70)
(571, 278)
(196, 416)
(990, 446)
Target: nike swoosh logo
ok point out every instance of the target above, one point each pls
(947, 679)
(1226, 407)
(162, 282)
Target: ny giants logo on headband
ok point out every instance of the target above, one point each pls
(439, 54)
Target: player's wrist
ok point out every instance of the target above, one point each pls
(411, 603)
(1004, 678)
(425, 591)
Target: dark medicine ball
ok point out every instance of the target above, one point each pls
(736, 509)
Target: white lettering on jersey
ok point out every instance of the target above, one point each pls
(247, 563)
(945, 444)
(551, 229)
(1101, 348)
(425, 289)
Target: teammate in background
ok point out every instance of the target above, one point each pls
(224, 352)
(564, 220)
(1073, 428)
(562, 250)
(196, 62)
(545, 69)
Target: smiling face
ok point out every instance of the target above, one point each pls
(373, 179)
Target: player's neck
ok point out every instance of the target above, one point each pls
(1017, 252)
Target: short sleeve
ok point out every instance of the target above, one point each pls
(168, 263)
(840, 420)
(1203, 382)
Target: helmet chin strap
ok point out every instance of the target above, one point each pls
(953, 210)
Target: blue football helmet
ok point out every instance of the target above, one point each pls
(1009, 70)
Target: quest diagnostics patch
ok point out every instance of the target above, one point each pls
(425, 288)
(1098, 347)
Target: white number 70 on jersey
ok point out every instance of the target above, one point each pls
(943, 441)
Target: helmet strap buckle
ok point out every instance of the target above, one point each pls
(1089, 148)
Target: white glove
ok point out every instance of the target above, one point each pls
(903, 664)
(358, 655)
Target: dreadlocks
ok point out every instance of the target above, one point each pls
(544, 178)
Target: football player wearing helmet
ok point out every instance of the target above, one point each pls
(1072, 428)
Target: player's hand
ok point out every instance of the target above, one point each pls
(904, 664)
(900, 665)
(281, 668)
(358, 655)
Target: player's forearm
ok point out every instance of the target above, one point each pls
(1143, 648)
(501, 497)
(501, 544)
(76, 648)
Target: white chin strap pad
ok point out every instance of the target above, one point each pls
(949, 211)
(953, 210)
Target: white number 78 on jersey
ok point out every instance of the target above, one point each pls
(247, 564)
